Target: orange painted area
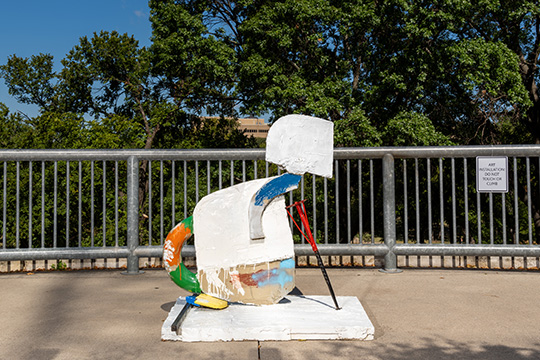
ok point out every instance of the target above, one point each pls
(174, 241)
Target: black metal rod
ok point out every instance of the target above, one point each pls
(178, 321)
(299, 205)
(325, 275)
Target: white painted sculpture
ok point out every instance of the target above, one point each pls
(244, 246)
(229, 265)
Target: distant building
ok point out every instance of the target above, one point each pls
(254, 127)
(250, 126)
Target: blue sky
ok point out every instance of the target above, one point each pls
(31, 27)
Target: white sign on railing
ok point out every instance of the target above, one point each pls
(492, 174)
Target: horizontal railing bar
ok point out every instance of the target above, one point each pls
(467, 250)
(119, 155)
(412, 152)
(259, 154)
(63, 253)
(157, 251)
(341, 249)
(299, 249)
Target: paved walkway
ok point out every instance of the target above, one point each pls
(418, 314)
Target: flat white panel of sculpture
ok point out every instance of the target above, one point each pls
(301, 144)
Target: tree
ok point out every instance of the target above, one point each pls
(14, 131)
(108, 95)
(470, 69)
(510, 30)
(311, 56)
(119, 99)
(387, 73)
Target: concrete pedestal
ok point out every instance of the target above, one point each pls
(294, 318)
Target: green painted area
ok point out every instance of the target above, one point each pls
(181, 276)
(186, 279)
(188, 223)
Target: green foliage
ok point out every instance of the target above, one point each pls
(60, 265)
(413, 129)
(110, 93)
(289, 59)
(31, 80)
(14, 131)
(356, 131)
(196, 67)
(114, 132)
(466, 71)
(61, 204)
(490, 67)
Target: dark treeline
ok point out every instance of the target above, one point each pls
(387, 73)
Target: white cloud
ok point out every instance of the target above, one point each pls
(139, 13)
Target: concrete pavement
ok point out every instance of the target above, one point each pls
(418, 314)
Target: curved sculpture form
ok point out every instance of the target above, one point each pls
(172, 256)
(264, 196)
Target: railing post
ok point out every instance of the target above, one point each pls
(132, 215)
(389, 214)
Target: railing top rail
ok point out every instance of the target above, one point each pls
(124, 154)
(404, 152)
(412, 152)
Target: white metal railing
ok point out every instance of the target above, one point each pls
(87, 204)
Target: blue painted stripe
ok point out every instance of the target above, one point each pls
(281, 275)
(287, 264)
(276, 187)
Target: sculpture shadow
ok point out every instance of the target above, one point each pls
(168, 306)
(424, 348)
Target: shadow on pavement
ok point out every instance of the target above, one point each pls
(433, 349)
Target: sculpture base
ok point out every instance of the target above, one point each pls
(293, 318)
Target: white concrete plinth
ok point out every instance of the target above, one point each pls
(294, 318)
